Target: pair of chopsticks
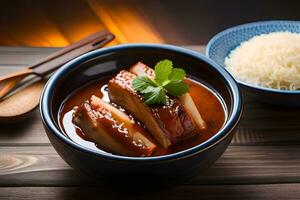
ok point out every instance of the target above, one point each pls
(49, 64)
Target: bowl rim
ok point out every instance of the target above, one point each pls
(230, 124)
(245, 26)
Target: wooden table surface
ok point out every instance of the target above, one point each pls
(262, 162)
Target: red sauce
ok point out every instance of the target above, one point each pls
(209, 104)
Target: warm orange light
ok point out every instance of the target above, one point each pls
(50, 38)
(107, 20)
(81, 30)
(57, 40)
(124, 20)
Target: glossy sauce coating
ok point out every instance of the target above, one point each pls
(208, 103)
(111, 128)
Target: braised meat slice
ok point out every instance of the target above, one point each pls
(140, 69)
(168, 124)
(111, 128)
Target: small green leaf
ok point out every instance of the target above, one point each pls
(162, 70)
(148, 89)
(177, 88)
(158, 96)
(142, 82)
(177, 74)
(168, 80)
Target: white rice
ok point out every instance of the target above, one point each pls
(268, 60)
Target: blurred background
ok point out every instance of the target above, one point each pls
(56, 23)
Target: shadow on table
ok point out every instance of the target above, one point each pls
(15, 129)
(266, 124)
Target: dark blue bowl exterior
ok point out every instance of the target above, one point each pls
(161, 173)
(224, 42)
(163, 169)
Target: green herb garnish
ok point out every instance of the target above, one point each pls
(167, 80)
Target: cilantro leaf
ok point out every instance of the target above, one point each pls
(177, 74)
(177, 88)
(157, 96)
(162, 70)
(167, 80)
(143, 84)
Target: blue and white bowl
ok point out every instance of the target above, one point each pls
(224, 42)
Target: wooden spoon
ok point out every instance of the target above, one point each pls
(19, 104)
(55, 60)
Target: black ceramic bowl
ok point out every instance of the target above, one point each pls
(162, 169)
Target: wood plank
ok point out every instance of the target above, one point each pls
(6, 69)
(23, 56)
(27, 50)
(28, 132)
(257, 192)
(198, 48)
(34, 50)
(42, 166)
(264, 124)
